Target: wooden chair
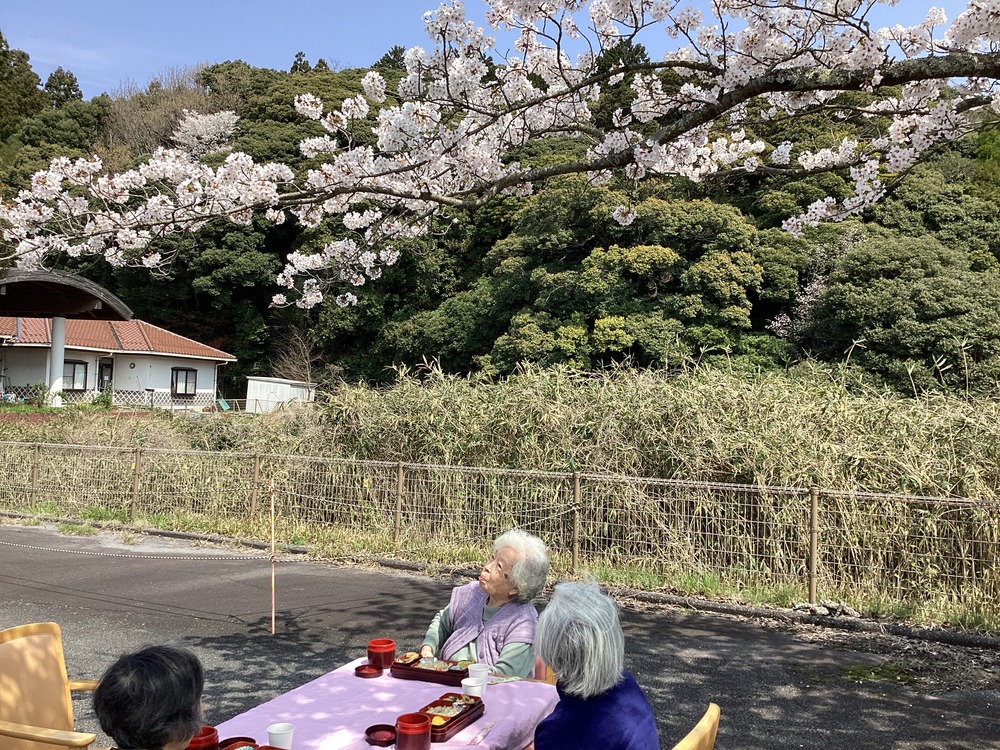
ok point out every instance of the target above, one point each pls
(702, 737)
(543, 672)
(36, 710)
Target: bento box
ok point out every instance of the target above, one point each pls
(430, 669)
(451, 713)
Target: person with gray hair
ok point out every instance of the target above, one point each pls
(601, 706)
(492, 620)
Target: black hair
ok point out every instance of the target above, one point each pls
(151, 697)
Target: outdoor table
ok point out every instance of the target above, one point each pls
(333, 711)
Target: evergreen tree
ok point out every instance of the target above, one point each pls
(20, 95)
(62, 87)
(300, 64)
(391, 60)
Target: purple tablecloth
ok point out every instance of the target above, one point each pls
(333, 711)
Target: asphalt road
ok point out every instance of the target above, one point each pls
(776, 690)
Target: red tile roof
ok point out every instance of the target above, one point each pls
(120, 336)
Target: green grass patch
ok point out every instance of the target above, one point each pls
(76, 529)
(890, 671)
(111, 515)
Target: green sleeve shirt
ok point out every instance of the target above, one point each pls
(516, 659)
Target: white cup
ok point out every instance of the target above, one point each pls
(280, 735)
(480, 671)
(473, 686)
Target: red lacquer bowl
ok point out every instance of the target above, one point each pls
(206, 739)
(381, 735)
(238, 743)
(367, 671)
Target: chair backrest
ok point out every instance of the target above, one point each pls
(543, 672)
(34, 688)
(702, 737)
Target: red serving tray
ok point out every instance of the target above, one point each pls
(455, 724)
(414, 672)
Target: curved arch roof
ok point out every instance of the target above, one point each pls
(47, 294)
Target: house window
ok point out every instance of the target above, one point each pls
(74, 376)
(183, 381)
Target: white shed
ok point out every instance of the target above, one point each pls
(267, 394)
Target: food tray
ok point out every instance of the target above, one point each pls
(416, 672)
(457, 723)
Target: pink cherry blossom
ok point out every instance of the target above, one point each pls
(443, 139)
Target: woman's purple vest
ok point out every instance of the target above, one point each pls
(514, 622)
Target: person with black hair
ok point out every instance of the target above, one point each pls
(151, 699)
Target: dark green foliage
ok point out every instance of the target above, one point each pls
(68, 131)
(74, 125)
(933, 202)
(20, 95)
(675, 282)
(618, 96)
(918, 314)
(62, 88)
(232, 84)
(300, 64)
(391, 60)
(270, 128)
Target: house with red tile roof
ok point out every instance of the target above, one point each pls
(141, 364)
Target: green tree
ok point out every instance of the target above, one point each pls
(68, 131)
(20, 95)
(300, 64)
(62, 88)
(939, 199)
(391, 60)
(913, 311)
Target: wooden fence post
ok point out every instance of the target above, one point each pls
(254, 489)
(399, 503)
(576, 521)
(136, 473)
(813, 541)
(36, 457)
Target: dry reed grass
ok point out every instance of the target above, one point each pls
(696, 483)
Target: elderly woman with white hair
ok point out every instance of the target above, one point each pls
(600, 706)
(492, 620)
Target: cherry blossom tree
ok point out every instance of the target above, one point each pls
(446, 138)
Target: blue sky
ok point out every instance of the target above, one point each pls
(108, 42)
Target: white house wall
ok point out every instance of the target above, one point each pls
(140, 373)
(133, 379)
(25, 367)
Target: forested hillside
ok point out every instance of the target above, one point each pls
(909, 292)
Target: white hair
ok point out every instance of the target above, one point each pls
(580, 637)
(532, 567)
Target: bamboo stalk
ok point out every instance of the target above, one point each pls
(813, 541)
(272, 561)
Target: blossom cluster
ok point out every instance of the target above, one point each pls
(199, 134)
(444, 138)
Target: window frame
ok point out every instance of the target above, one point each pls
(190, 382)
(74, 364)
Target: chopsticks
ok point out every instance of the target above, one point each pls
(482, 734)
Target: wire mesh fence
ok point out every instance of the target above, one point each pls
(903, 552)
